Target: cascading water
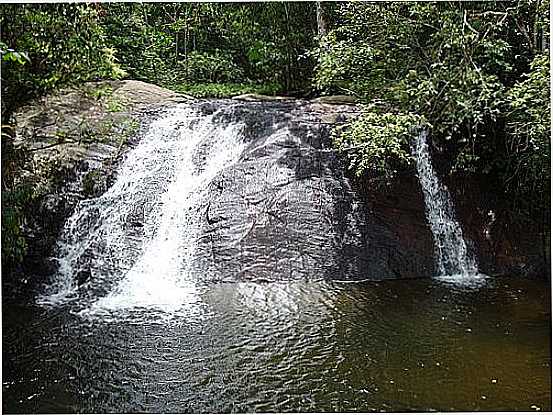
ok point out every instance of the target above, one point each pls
(202, 198)
(137, 240)
(452, 255)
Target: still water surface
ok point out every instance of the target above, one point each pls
(297, 346)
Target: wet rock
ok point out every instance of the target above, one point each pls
(83, 276)
(336, 100)
(332, 118)
(94, 183)
(139, 94)
(77, 137)
(504, 243)
(287, 210)
(259, 97)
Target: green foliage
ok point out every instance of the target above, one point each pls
(14, 245)
(462, 66)
(109, 67)
(444, 61)
(341, 65)
(115, 105)
(10, 55)
(527, 172)
(45, 46)
(57, 44)
(100, 92)
(204, 67)
(378, 143)
(14, 199)
(137, 34)
(255, 43)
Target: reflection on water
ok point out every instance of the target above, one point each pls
(298, 346)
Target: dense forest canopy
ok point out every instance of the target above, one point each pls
(476, 74)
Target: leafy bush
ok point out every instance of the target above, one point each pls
(527, 173)
(14, 202)
(216, 66)
(57, 44)
(462, 67)
(343, 66)
(376, 143)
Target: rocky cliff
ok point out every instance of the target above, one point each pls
(288, 208)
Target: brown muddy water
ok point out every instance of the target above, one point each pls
(417, 345)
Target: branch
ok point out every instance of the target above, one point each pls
(47, 147)
(465, 22)
(525, 33)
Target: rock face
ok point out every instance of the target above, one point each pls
(259, 97)
(501, 243)
(273, 205)
(74, 140)
(287, 210)
(504, 244)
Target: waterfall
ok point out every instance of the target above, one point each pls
(452, 255)
(137, 240)
(202, 198)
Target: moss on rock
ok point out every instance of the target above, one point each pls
(71, 141)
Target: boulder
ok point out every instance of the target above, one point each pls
(76, 138)
(287, 209)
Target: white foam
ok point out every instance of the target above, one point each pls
(453, 259)
(166, 178)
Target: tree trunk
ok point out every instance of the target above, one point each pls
(186, 48)
(176, 47)
(538, 31)
(321, 23)
(288, 76)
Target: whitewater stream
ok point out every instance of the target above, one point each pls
(455, 262)
(215, 275)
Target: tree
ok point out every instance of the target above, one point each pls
(61, 43)
(462, 67)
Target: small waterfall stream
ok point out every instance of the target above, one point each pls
(452, 255)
